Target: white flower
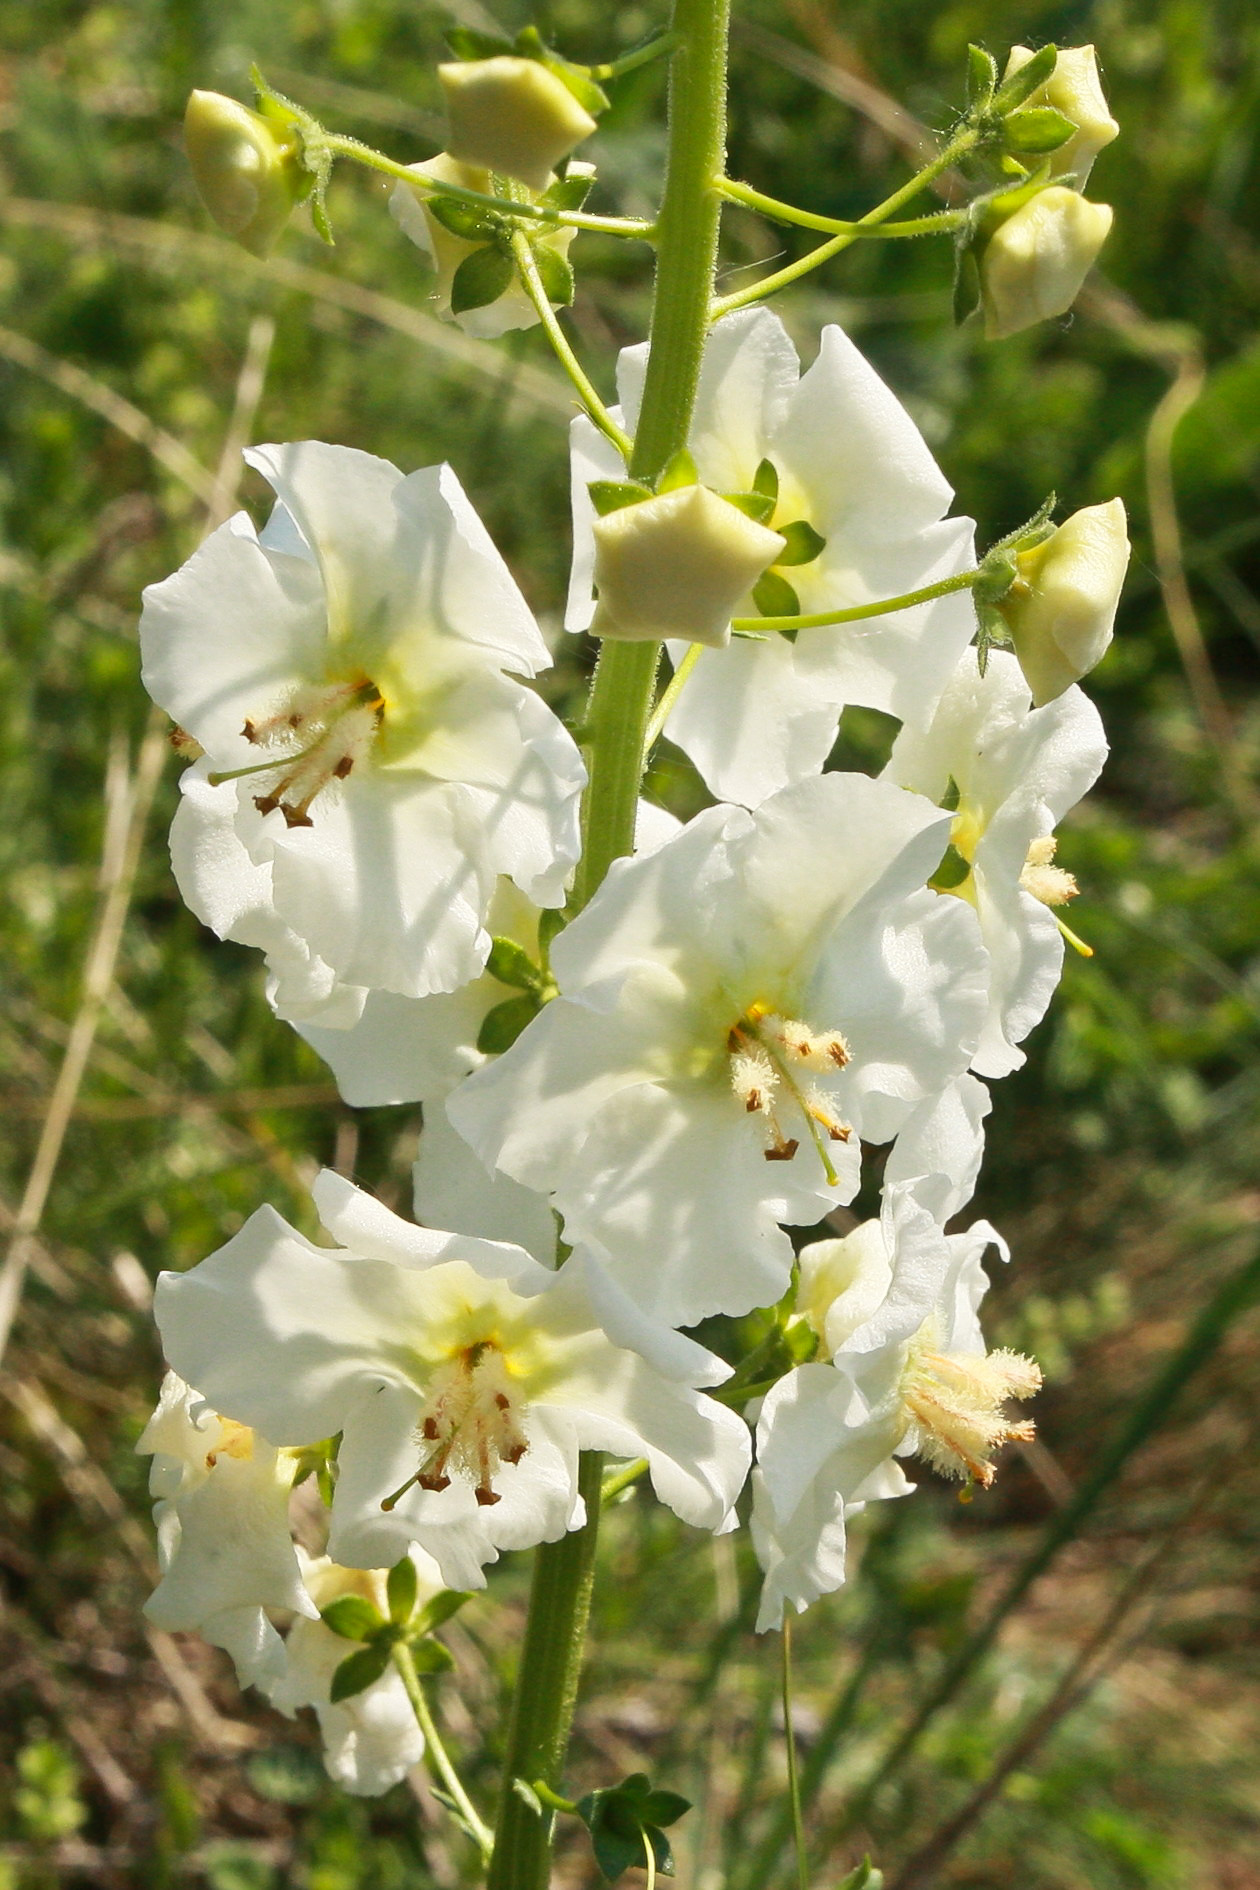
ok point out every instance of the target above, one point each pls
(345, 673)
(463, 1376)
(224, 1545)
(446, 251)
(895, 1306)
(1017, 771)
(370, 1740)
(1075, 89)
(735, 1011)
(1033, 265)
(939, 1151)
(851, 465)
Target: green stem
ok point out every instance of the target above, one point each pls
(636, 57)
(940, 223)
(885, 607)
(669, 696)
(532, 283)
(436, 1751)
(529, 208)
(621, 1479)
(770, 285)
(794, 1783)
(546, 1692)
(617, 718)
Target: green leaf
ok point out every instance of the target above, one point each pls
(766, 479)
(774, 596)
(432, 1657)
(440, 1609)
(464, 220)
(400, 1587)
(865, 1877)
(1022, 84)
(758, 505)
(803, 543)
(481, 279)
(664, 1807)
(982, 76)
(555, 273)
(1038, 130)
(511, 964)
(357, 1671)
(526, 1793)
(503, 1025)
(680, 470)
(611, 495)
(353, 1617)
(567, 193)
(466, 43)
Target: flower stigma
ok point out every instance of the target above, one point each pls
(335, 725)
(470, 1423)
(769, 1052)
(956, 1402)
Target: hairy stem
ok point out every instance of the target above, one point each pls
(435, 1750)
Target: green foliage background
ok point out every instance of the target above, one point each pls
(1122, 1160)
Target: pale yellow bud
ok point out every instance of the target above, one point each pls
(1062, 605)
(512, 115)
(1033, 265)
(677, 566)
(1074, 89)
(248, 171)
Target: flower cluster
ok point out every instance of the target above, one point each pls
(630, 1099)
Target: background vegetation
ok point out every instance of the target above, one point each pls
(1106, 1736)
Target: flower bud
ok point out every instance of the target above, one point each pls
(446, 251)
(1033, 265)
(512, 115)
(676, 566)
(1074, 89)
(1062, 604)
(248, 171)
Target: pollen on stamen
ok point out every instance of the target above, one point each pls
(957, 1403)
(469, 1427)
(1045, 881)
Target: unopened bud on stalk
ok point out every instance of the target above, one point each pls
(512, 115)
(676, 565)
(1033, 265)
(1074, 89)
(1062, 605)
(248, 171)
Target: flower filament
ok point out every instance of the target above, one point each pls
(769, 1053)
(470, 1423)
(335, 723)
(956, 1401)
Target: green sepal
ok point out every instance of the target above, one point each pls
(865, 1877)
(680, 470)
(466, 43)
(613, 495)
(998, 572)
(481, 279)
(623, 1818)
(774, 596)
(555, 272)
(551, 922)
(511, 964)
(315, 156)
(357, 1671)
(400, 1588)
(567, 193)
(804, 544)
(431, 1657)
(982, 77)
(758, 505)
(1012, 92)
(503, 1025)
(353, 1617)
(951, 872)
(1033, 531)
(1037, 130)
(966, 283)
(529, 44)
(663, 1807)
(439, 1609)
(464, 220)
(992, 631)
(766, 479)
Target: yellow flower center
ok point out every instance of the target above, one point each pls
(470, 1424)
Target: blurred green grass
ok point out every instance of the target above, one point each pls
(1122, 1160)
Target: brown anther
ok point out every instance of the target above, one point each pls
(503, 1401)
(782, 1151)
(266, 803)
(296, 816)
(515, 1454)
(839, 1055)
(343, 767)
(486, 1496)
(428, 1481)
(249, 729)
(183, 743)
(430, 1429)
(838, 1132)
(295, 720)
(756, 1102)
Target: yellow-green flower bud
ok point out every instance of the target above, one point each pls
(512, 115)
(1033, 265)
(1074, 89)
(1062, 605)
(676, 566)
(248, 171)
